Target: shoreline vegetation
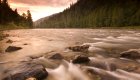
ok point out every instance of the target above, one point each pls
(12, 26)
(124, 27)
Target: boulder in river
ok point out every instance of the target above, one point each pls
(82, 48)
(9, 41)
(31, 78)
(57, 56)
(12, 49)
(81, 59)
(131, 54)
(25, 44)
(37, 72)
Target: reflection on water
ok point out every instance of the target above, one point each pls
(105, 48)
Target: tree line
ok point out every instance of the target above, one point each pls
(96, 13)
(7, 15)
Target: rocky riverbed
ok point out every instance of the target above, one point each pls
(70, 54)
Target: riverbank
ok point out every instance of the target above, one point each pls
(12, 26)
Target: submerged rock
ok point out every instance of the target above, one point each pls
(12, 49)
(81, 59)
(9, 41)
(37, 72)
(25, 44)
(118, 74)
(82, 48)
(131, 54)
(56, 56)
(31, 78)
(35, 57)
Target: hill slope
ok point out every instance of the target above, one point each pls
(96, 13)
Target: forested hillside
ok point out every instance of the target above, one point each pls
(96, 13)
(9, 16)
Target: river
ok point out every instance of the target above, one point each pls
(104, 53)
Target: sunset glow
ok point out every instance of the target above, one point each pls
(40, 8)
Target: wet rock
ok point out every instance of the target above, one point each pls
(9, 41)
(101, 63)
(56, 56)
(35, 57)
(12, 49)
(113, 75)
(3, 36)
(34, 73)
(131, 54)
(83, 48)
(25, 44)
(31, 79)
(81, 59)
(6, 35)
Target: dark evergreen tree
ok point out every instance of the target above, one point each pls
(5, 1)
(24, 15)
(16, 11)
(29, 19)
(0, 12)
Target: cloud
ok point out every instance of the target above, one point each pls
(50, 3)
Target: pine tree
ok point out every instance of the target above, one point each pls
(0, 11)
(16, 11)
(4, 1)
(24, 19)
(29, 19)
(24, 15)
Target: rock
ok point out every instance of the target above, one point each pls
(82, 48)
(131, 54)
(35, 57)
(56, 56)
(6, 35)
(81, 59)
(9, 41)
(25, 44)
(31, 78)
(33, 73)
(12, 49)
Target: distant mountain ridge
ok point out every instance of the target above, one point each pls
(96, 13)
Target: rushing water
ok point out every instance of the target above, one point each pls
(105, 48)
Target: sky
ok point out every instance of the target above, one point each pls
(40, 8)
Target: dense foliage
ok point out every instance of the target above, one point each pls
(7, 15)
(96, 13)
